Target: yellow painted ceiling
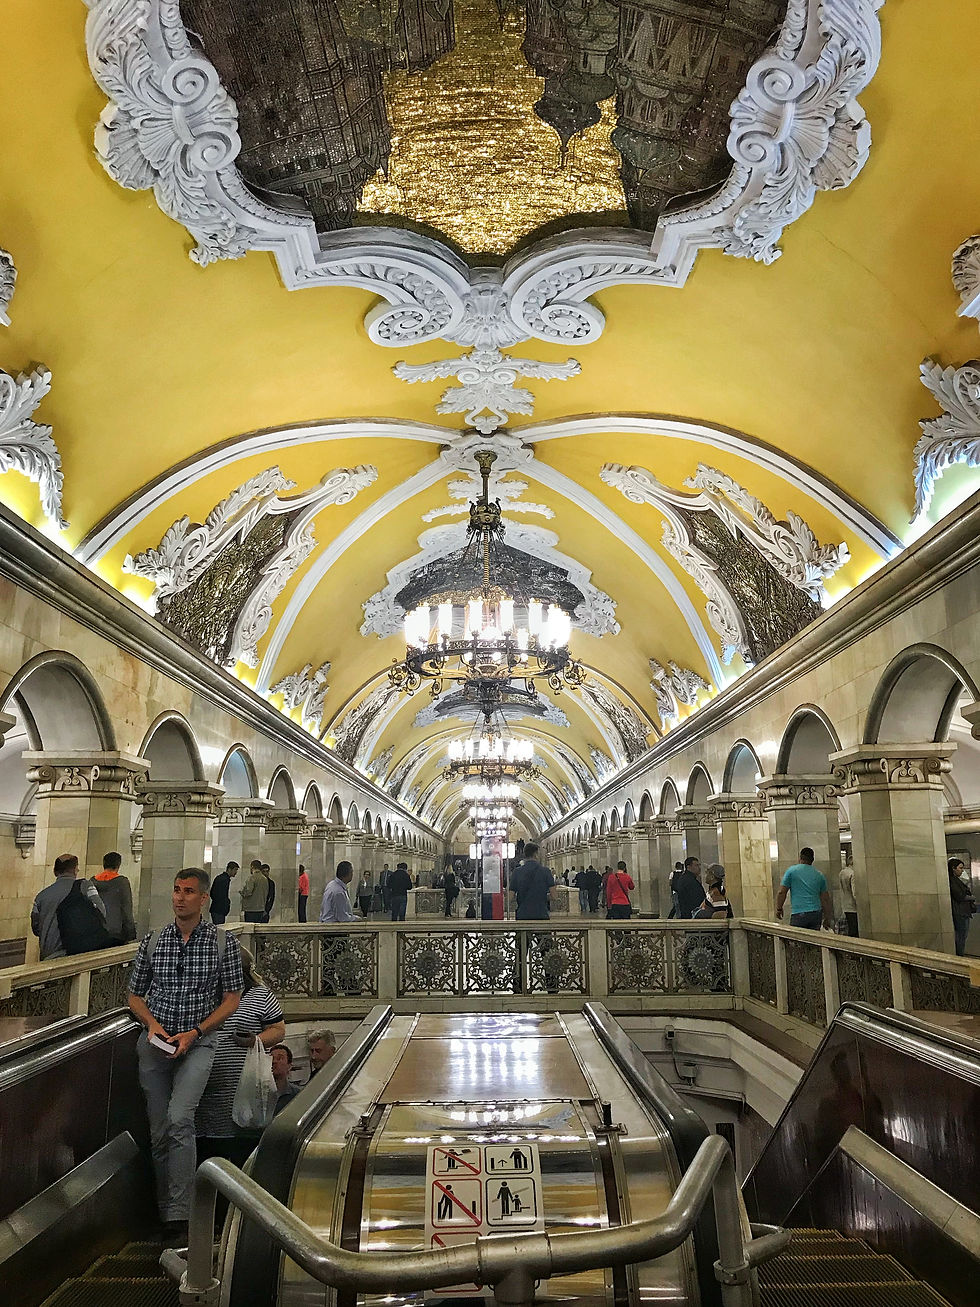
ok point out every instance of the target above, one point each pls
(155, 359)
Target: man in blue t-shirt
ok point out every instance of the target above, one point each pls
(807, 888)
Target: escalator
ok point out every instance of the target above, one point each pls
(425, 1132)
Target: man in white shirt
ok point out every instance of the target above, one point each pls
(336, 901)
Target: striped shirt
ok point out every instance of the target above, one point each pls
(258, 1010)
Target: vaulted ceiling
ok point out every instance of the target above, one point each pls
(795, 386)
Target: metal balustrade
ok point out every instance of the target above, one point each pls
(776, 972)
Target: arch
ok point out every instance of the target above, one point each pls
(808, 741)
(378, 828)
(594, 830)
(353, 819)
(603, 824)
(237, 774)
(367, 822)
(171, 750)
(59, 702)
(629, 814)
(614, 820)
(281, 789)
(670, 799)
(917, 696)
(743, 771)
(313, 801)
(646, 806)
(699, 785)
(335, 812)
(387, 830)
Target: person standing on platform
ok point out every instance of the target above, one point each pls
(117, 895)
(848, 900)
(809, 899)
(221, 894)
(44, 913)
(384, 881)
(618, 885)
(270, 898)
(581, 883)
(186, 981)
(531, 884)
(303, 894)
(336, 901)
(961, 901)
(593, 883)
(365, 893)
(450, 891)
(254, 893)
(399, 884)
(688, 889)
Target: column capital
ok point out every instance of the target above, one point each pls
(737, 807)
(318, 828)
(643, 829)
(971, 712)
(892, 766)
(694, 815)
(337, 834)
(233, 810)
(667, 826)
(179, 798)
(79, 772)
(817, 791)
(286, 821)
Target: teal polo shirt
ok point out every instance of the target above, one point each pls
(805, 884)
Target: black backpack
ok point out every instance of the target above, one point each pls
(81, 924)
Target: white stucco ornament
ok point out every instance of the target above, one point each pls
(674, 685)
(306, 690)
(8, 279)
(954, 436)
(27, 446)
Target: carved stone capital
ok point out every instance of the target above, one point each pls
(77, 773)
(25, 832)
(179, 799)
(800, 791)
(738, 807)
(691, 815)
(667, 826)
(285, 821)
(892, 766)
(236, 811)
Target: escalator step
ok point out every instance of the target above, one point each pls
(868, 1268)
(816, 1232)
(810, 1247)
(97, 1291)
(143, 1266)
(141, 1249)
(909, 1293)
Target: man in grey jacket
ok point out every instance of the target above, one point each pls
(44, 913)
(255, 893)
(117, 895)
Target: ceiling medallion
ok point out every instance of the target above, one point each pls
(795, 127)
(484, 638)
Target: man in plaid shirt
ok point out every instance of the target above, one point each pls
(181, 994)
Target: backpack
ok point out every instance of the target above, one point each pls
(81, 924)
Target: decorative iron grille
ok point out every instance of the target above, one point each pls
(804, 982)
(349, 966)
(762, 967)
(287, 963)
(429, 964)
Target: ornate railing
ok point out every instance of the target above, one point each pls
(807, 974)
(668, 966)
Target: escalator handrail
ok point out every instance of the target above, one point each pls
(950, 1051)
(684, 1127)
(59, 1042)
(509, 1263)
(274, 1162)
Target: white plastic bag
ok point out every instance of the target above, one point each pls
(256, 1095)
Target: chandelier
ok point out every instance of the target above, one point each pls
(499, 792)
(484, 639)
(484, 813)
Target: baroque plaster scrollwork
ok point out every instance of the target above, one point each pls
(187, 550)
(674, 685)
(306, 690)
(624, 720)
(486, 392)
(954, 436)
(8, 278)
(350, 730)
(603, 765)
(170, 126)
(790, 547)
(966, 277)
(27, 446)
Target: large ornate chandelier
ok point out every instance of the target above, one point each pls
(499, 792)
(485, 638)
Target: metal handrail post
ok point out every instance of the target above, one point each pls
(733, 1267)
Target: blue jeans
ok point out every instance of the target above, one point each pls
(172, 1087)
(961, 928)
(583, 900)
(808, 920)
(399, 902)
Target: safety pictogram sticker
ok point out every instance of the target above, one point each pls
(455, 1204)
(512, 1201)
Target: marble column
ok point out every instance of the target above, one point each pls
(644, 866)
(84, 806)
(803, 813)
(317, 855)
(281, 850)
(238, 830)
(178, 826)
(669, 834)
(700, 833)
(743, 850)
(896, 800)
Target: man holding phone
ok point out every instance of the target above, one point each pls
(186, 980)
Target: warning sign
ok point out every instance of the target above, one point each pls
(474, 1190)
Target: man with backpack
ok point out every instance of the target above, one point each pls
(186, 981)
(618, 885)
(68, 917)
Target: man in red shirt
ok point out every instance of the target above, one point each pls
(618, 885)
(304, 893)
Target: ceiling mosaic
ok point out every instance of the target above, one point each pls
(481, 120)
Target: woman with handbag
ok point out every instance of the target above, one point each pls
(259, 1015)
